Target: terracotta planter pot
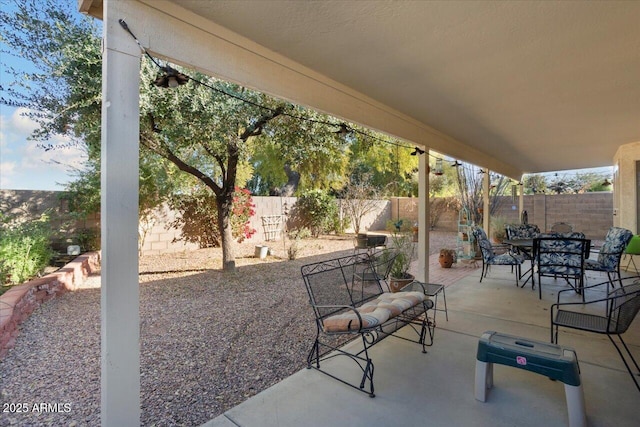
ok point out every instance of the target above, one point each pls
(395, 285)
(445, 260)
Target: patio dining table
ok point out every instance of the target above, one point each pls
(525, 246)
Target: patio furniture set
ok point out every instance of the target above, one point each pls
(348, 301)
(565, 254)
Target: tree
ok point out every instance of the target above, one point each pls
(301, 153)
(62, 91)
(359, 198)
(534, 183)
(469, 179)
(202, 132)
(209, 131)
(389, 166)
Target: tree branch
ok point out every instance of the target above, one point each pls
(162, 150)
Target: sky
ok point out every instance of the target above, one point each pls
(26, 166)
(23, 164)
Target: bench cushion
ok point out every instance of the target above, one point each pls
(373, 313)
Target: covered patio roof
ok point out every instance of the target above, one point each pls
(515, 87)
(512, 87)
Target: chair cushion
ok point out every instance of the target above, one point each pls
(507, 259)
(373, 313)
(591, 264)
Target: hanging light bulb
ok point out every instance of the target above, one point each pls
(171, 78)
(417, 152)
(343, 131)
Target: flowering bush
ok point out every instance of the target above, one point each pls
(198, 219)
(243, 209)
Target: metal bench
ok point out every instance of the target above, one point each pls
(347, 307)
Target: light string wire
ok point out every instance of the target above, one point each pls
(344, 128)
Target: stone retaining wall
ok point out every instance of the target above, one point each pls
(21, 300)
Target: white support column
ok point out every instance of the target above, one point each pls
(423, 217)
(120, 332)
(486, 182)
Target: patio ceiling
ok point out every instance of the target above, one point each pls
(538, 85)
(515, 86)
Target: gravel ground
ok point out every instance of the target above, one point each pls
(209, 340)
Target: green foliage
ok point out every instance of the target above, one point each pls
(309, 147)
(388, 167)
(62, 87)
(300, 233)
(87, 238)
(403, 225)
(25, 249)
(198, 219)
(498, 225)
(316, 210)
(402, 245)
(534, 184)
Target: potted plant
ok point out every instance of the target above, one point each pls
(403, 247)
(447, 258)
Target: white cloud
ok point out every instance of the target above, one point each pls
(7, 170)
(25, 164)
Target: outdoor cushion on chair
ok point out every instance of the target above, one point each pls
(489, 257)
(611, 252)
(522, 231)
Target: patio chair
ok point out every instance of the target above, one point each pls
(561, 256)
(522, 231)
(369, 242)
(561, 227)
(621, 307)
(379, 268)
(568, 235)
(489, 257)
(610, 254)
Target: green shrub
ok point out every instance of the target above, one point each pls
(318, 211)
(25, 249)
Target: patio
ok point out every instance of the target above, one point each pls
(438, 388)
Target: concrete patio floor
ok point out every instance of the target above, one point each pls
(437, 388)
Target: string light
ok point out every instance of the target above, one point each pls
(172, 78)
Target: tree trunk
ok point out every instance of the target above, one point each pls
(224, 204)
(289, 189)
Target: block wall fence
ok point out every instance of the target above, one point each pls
(591, 213)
